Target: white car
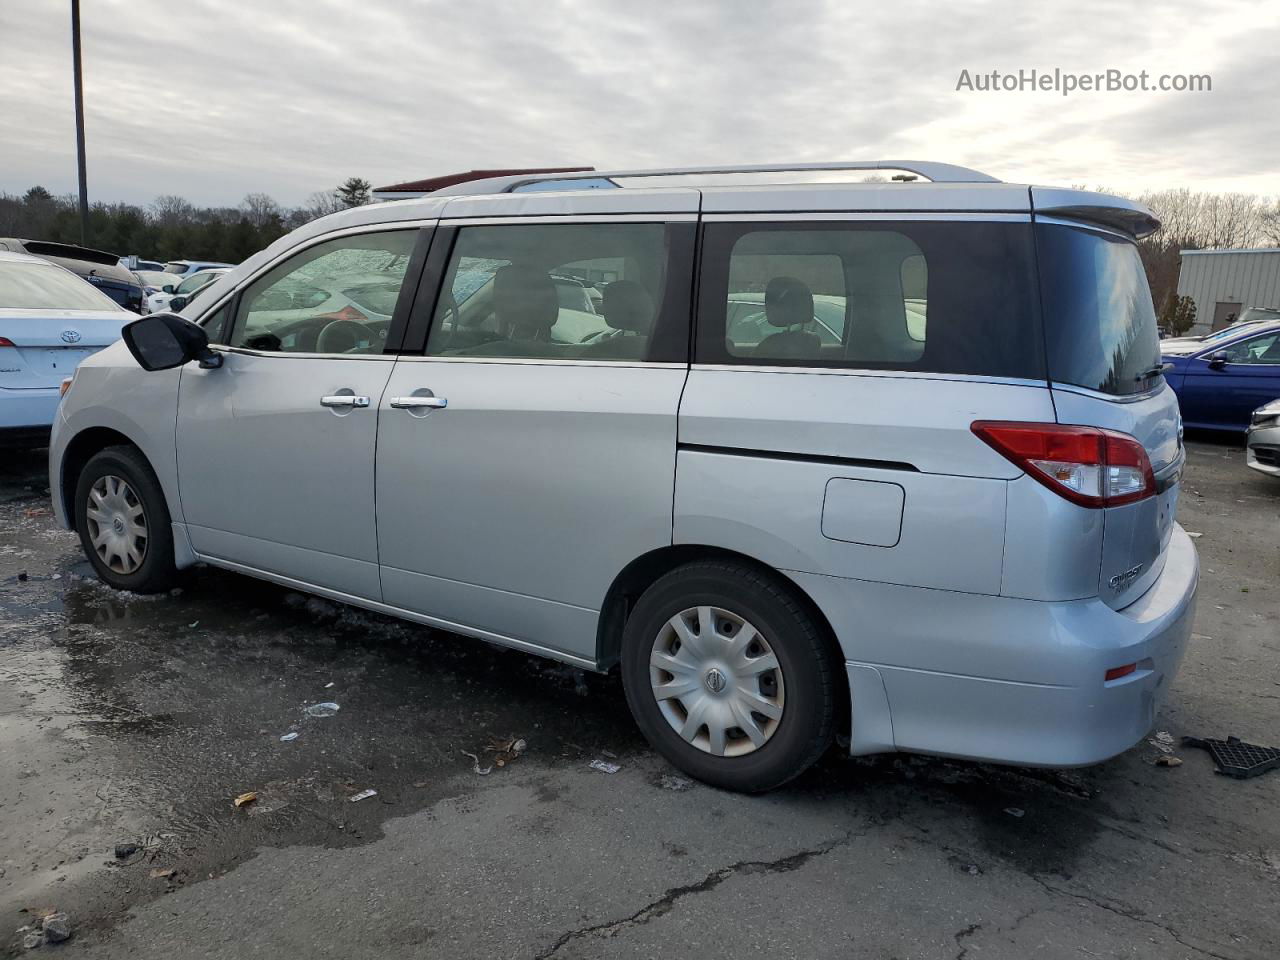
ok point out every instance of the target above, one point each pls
(156, 281)
(50, 320)
(184, 268)
(158, 301)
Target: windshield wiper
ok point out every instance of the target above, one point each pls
(1155, 371)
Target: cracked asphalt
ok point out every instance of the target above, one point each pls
(136, 719)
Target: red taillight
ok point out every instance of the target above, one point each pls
(1086, 465)
(6, 342)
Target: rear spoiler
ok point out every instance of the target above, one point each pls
(45, 248)
(1104, 209)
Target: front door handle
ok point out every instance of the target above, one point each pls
(414, 403)
(344, 400)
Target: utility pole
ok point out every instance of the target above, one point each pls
(79, 82)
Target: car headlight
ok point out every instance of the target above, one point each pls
(1267, 415)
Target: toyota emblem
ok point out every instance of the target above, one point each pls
(70, 336)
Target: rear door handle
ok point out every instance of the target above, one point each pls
(414, 403)
(344, 400)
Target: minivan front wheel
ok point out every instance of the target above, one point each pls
(123, 521)
(728, 676)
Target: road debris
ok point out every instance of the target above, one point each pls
(1235, 758)
(678, 784)
(56, 928)
(363, 795)
(1194, 536)
(1015, 811)
(161, 873)
(328, 685)
(126, 850)
(327, 709)
(245, 798)
(604, 766)
(1167, 760)
(475, 764)
(1162, 741)
(289, 737)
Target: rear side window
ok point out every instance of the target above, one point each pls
(36, 286)
(1100, 327)
(928, 296)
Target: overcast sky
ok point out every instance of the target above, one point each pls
(213, 99)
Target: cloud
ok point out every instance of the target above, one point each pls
(213, 100)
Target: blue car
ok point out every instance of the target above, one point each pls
(1220, 383)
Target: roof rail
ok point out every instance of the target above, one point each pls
(935, 172)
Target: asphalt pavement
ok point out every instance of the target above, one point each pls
(137, 721)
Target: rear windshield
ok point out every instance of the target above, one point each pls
(1100, 327)
(177, 267)
(34, 286)
(929, 296)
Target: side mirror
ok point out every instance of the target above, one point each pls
(163, 341)
(1219, 360)
(178, 302)
(167, 288)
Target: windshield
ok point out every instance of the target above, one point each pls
(1254, 314)
(35, 286)
(196, 281)
(1100, 326)
(156, 278)
(176, 266)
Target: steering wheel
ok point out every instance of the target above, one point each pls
(343, 336)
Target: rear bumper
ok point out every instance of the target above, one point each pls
(1012, 681)
(28, 409)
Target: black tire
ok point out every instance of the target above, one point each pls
(806, 726)
(156, 572)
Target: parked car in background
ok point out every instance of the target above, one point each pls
(156, 281)
(1191, 344)
(184, 268)
(100, 268)
(393, 408)
(134, 263)
(50, 320)
(1223, 380)
(184, 288)
(1262, 443)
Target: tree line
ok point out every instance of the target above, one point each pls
(1191, 220)
(171, 228)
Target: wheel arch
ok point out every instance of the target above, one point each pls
(79, 450)
(642, 572)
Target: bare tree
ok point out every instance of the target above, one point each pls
(322, 203)
(260, 210)
(170, 210)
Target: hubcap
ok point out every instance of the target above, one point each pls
(717, 681)
(117, 524)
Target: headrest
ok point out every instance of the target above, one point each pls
(787, 302)
(524, 301)
(627, 306)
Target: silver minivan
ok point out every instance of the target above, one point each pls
(891, 461)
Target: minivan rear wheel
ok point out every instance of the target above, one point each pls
(728, 676)
(123, 521)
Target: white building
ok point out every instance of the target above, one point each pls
(1224, 282)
